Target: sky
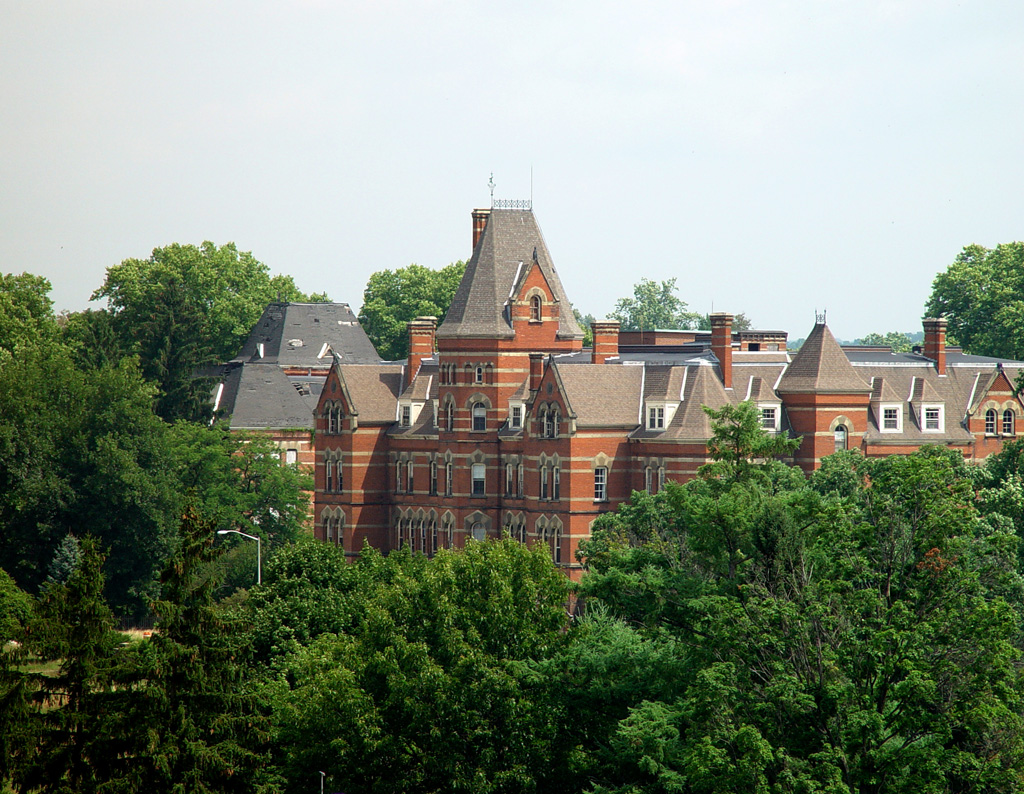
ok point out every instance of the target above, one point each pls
(775, 158)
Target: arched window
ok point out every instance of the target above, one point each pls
(478, 374)
(433, 478)
(399, 471)
(990, 422)
(555, 416)
(556, 545)
(328, 475)
(448, 479)
(545, 426)
(479, 416)
(521, 478)
(543, 482)
(409, 488)
(535, 308)
(433, 536)
(840, 438)
(479, 531)
(1007, 422)
(328, 529)
(661, 478)
(649, 480)
(556, 483)
(449, 417)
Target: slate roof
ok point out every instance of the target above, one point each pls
(262, 397)
(294, 335)
(374, 389)
(511, 242)
(603, 395)
(821, 366)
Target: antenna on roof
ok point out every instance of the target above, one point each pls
(490, 184)
(531, 184)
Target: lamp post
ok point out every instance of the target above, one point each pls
(322, 775)
(259, 553)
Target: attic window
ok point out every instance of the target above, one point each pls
(933, 418)
(535, 308)
(891, 419)
(302, 388)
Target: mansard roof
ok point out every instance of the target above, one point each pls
(821, 366)
(255, 396)
(603, 395)
(305, 335)
(510, 243)
(374, 388)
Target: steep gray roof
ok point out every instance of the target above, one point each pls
(374, 389)
(511, 243)
(262, 397)
(602, 395)
(821, 366)
(294, 335)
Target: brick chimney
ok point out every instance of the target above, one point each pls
(935, 342)
(721, 344)
(479, 222)
(606, 341)
(536, 369)
(421, 344)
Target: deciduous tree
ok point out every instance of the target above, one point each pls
(654, 305)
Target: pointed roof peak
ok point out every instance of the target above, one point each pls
(510, 242)
(821, 366)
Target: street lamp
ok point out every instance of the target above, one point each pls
(259, 555)
(322, 774)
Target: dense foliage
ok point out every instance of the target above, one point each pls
(394, 297)
(981, 295)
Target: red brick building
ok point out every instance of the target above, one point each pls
(501, 421)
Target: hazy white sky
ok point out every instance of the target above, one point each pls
(774, 157)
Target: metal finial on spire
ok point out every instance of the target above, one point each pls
(819, 317)
(490, 184)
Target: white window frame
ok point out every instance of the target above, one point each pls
(600, 483)
(1013, 422)
(775, 416)
(656, 417)
(991, 428)
(940, 418)
(898, 408)
(515, 415)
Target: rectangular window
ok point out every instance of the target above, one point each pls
(556, 485)
(661, 478)
(399, 476)
(448, 479)
(479, 481)
(433, 478)
(291, 456)
(510, 479)
(656, 418)
(890, 418)
(932, 419)
(516, 417)
(338, 472)
(522, 478)
(543, 482)
(600, 484)
(479, 416)
(768, 418)
(406, 415)
(329, 475)
(648, 480)
(409, 488)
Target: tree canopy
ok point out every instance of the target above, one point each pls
(981, 296)
(394, 297)
(187, 306)
(654, 305)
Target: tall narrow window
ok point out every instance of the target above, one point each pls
(543, 482)
(535, 308)
(406, 415)
(478, 375)
(399, 476)
(556, 546)
(433, 536)
(328, 529)
(556, 484)
(409, 487)
(1007, 423)
(433, 478)
(521, 478)
(555, 416)
(479, 416)
(545, 427)
(479, 472)
(990, 422)
(329, 475)
(661, 478)
(516, 417)
(649, 480)
(448, 479)
(449, 420)
(449, 533)
(840, 438)
(510, 479)
(339, 480)
(600, 484)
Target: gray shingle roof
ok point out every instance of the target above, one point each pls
(374, 389)
(506, 249)
(294, 335)
(602, 395)
(821, 366)
(261, 396)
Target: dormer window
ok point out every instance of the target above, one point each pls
(1008, 423)
(892, 418)
(932, 419)
(536, 303)
(770, 417)
(656, 418)
(515, 416)
(406, 415)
